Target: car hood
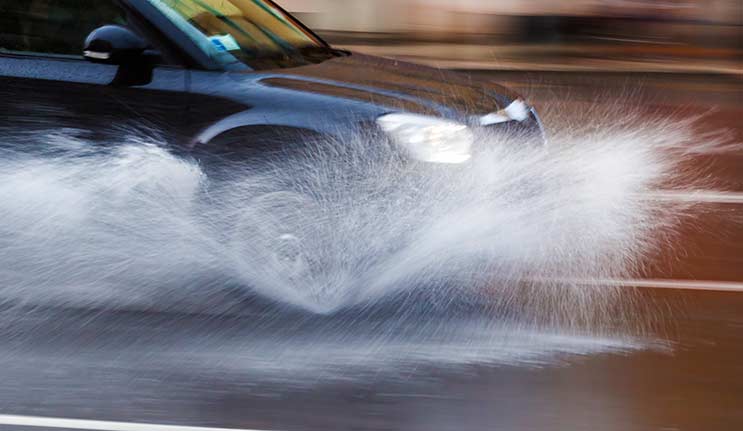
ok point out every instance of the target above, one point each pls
(394, 84)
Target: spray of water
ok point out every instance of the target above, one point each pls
(339, 225)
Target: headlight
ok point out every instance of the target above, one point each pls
(429, 139)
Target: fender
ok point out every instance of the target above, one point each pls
(256, 119)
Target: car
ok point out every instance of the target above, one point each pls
(231, 83)
(229, 76)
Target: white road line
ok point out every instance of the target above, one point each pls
(79, 424)
(706, 196)
(722, 286)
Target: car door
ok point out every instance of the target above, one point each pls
(47, 85)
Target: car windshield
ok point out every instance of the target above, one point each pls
(253, 33)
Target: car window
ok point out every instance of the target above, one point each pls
(54, 26)
(255, 33)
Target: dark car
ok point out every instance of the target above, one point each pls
(208, 74)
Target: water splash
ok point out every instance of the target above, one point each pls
(338, 225)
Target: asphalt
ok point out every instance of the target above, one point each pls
(669, 361)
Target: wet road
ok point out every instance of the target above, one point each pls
(683, 374)
(675, 365)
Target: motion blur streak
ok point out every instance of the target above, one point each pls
(343, 224)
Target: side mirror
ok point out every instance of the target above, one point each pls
(113, 44)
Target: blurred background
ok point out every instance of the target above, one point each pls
(620, 35)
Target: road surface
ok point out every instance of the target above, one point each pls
(680, 367)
